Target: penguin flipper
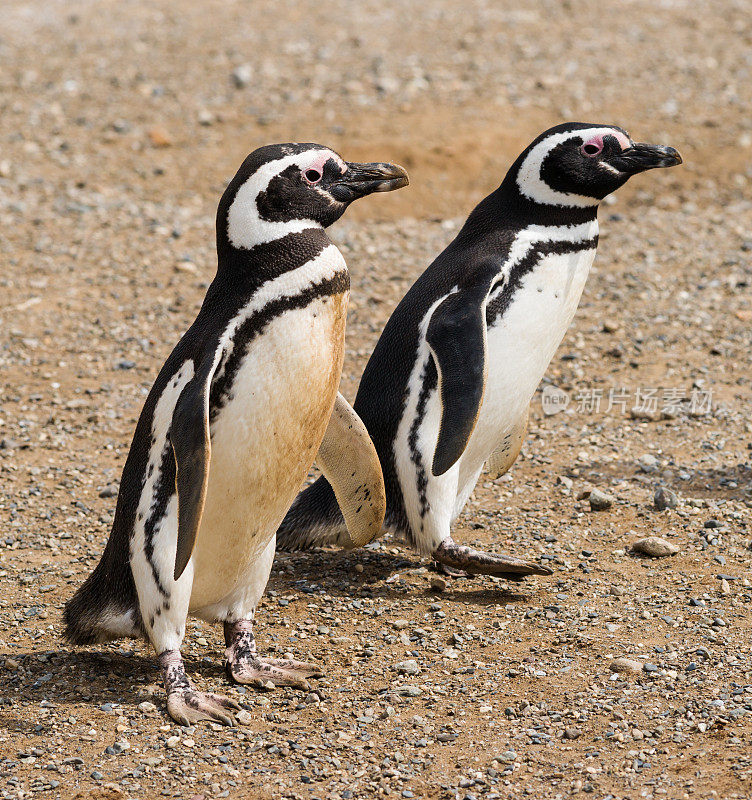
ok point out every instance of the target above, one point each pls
(506, 453)
(349, 461)
(456, 335)
(191, 445)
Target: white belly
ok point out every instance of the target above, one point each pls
(521, 344)
(264, 441)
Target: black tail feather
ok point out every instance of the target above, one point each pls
(314, 519)
(104, 608)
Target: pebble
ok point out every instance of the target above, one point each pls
(648, 463)
(655, 547)
(665, 498)
(409, 667)
(159, 137)
(146, 707)
(622, 664)
(242, 75)
(438, 584)
(600, 501)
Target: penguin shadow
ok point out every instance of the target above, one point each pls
(95, 678)
(384, 575)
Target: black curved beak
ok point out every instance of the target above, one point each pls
(640, 157)
(362, 179)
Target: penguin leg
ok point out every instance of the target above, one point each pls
(455, 559)
(186, 705)
(242, 661)
(244, 665)
(164, 604)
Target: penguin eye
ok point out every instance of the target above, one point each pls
(312, 176)
(590, 149)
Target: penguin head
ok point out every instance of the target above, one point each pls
(286, 188)
(578, 164)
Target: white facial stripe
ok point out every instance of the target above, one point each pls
(533, 186)
(245, 228)
(608, 167)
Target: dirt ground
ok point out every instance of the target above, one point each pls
(120, 122)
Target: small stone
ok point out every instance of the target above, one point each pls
(159, 137)
(648, 463)
(109, 491)
(438, 584)
(600, 501)
(571, 733)
(629, 665)
(409, 667)
(242, 75)
(146, 707)
(359, 569)
(655, 547)
(507, 757)
(172, 742)
(400, 624)
(725, 587)
(244, 717)
(665, 498)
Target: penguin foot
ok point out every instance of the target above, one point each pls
(476, 562)
(265, 673)
(244, 665)
(186, 705)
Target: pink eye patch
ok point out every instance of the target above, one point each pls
(594, 145)
(318, 164)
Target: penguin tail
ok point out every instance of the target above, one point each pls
(104, 608)
(314, 520)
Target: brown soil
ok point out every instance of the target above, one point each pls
(120, 124)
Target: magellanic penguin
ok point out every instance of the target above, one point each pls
(232, 425)
(448, 386)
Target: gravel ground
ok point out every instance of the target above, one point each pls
(622, 675)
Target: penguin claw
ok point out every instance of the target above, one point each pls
(266, 673)
(187, 706)
(476, 562)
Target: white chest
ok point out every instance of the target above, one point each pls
(266, 433)
(522, 342)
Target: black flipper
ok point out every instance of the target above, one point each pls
(189, 435)
(456, 336)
